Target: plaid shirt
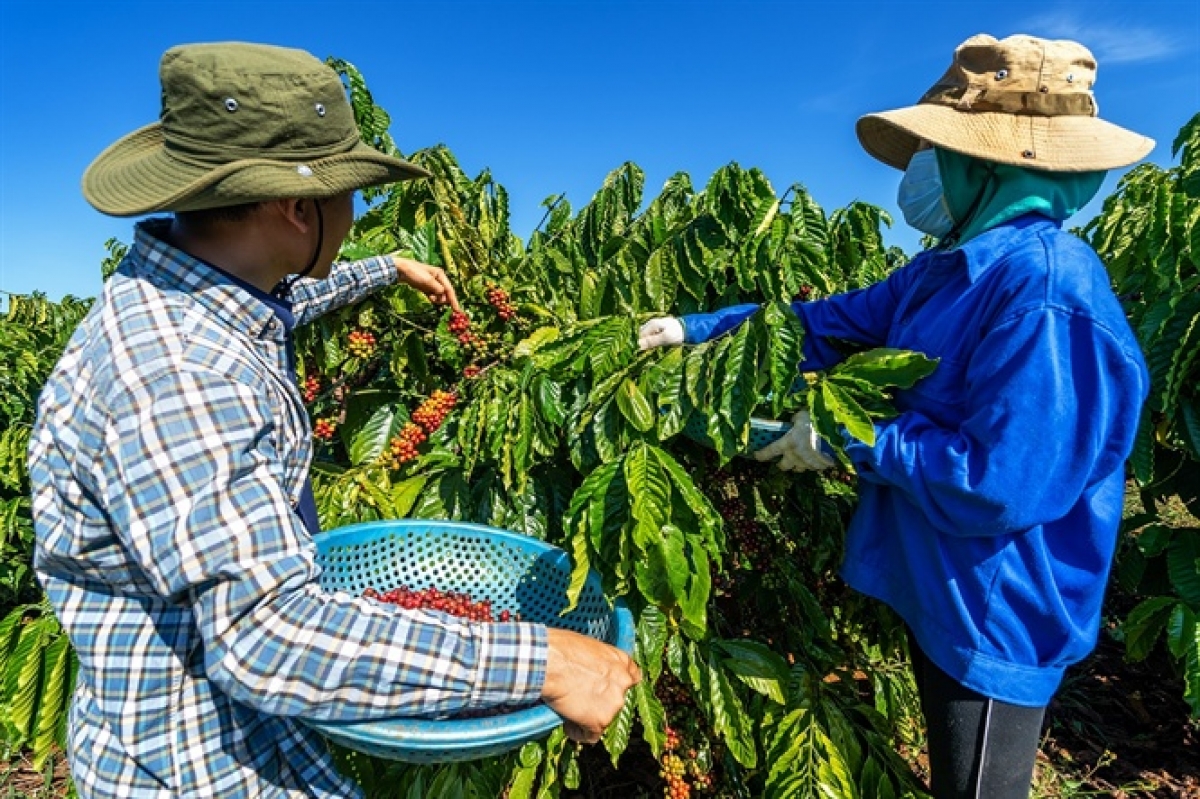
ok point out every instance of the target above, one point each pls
(170, 449)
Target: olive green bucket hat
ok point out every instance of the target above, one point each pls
(1021, 100)
(240, 123)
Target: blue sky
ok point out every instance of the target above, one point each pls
(551, 96)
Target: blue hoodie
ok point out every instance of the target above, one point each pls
(989, 508)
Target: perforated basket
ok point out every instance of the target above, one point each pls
(762, 433)
(517, 573)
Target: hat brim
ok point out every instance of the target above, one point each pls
(1051, 143)
(138, 175)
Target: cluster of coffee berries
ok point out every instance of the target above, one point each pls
(498, 299)
(404, 446)
(460, 326)
(676, 769)
(311, 388)
(805, 293)
(746, 536)
(362, 343)
(432, 412)
(452, 602)
(324, 429)
(471, 372)
(674, 772)
(841, 476)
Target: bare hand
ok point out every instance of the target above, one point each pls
(586, 681)
(429, 280)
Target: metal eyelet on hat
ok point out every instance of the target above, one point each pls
(231, 104)
(1070, 77)
(1044, 89)
(1002, 74)
(320, 109)
(1028, 154)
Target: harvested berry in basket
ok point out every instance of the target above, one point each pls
(453, 602)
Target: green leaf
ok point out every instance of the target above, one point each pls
(758, 667)
(847, 412)
(1181, 631)
(405, 494)
(635, 407)
(649, 486)
(697, 589)
(729, 717)
(522, 783)
(885, 366)
(548, 395)
(580, 568)
(616, 734)
(1183, 564)
(1143, 625)
(1190, 651)
(672, 400)
(10, 635)
(54, 701)
(741, 372)
(571, 775)
(367, 441)
(695, 500)
(534, 342)
(651, 640)
(22, 680)
(653, 717)
(786, 336)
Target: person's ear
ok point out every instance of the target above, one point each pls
(296, 213)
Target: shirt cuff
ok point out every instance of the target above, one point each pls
(511, 664)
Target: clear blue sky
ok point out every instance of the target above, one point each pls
(552, 95)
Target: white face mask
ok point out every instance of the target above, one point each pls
(921, 198)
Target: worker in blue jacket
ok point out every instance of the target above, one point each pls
(989, 507)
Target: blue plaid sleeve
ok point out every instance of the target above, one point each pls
(197, 498)
(348, 282)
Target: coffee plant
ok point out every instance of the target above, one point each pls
(533, 410)
(37, 664)
(1149, 236)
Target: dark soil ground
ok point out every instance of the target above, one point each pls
(1120, 729)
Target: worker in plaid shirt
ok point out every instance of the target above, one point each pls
(170, 460)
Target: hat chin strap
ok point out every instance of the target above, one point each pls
(284, 286)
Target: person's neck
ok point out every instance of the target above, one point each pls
(239, 252)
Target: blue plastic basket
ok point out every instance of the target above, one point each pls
(762, 433)
(517, 573)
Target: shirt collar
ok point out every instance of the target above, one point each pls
(984, 250)
(241, 305)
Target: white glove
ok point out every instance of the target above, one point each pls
(799, 449)
(661, 332)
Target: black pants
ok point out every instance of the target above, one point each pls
(979, 748)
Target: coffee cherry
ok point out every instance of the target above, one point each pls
(432, 411)
(498, 299)
(403, 448)
(324, 429)
(451, 602)
(362, 343)
(311, 388)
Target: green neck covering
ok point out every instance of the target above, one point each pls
(1012, 191)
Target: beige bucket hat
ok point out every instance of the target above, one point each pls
(240, 123)
(1021, 100)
